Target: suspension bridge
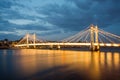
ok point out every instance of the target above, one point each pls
(92, 37)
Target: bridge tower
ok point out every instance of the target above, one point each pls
(34, 39)
(27, 37)
(97, 47)
(94, 38)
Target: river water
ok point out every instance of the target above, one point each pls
(36, 64)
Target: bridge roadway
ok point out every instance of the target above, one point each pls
(69, 44)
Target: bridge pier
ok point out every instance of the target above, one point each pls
(58, 47)
(95, 48)
(51, 46)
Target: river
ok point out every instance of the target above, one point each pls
(37, 64)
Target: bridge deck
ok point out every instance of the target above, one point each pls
(69, 44)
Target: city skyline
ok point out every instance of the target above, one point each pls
(56, 19)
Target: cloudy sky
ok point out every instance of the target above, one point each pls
(56, 19)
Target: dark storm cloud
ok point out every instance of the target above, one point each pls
(5, 4)
(83, 12)
(2, 25)
(7, 13)
(33, 27)
(63, 16)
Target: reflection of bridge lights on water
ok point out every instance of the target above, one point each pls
(28, 62)
(101, 58)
